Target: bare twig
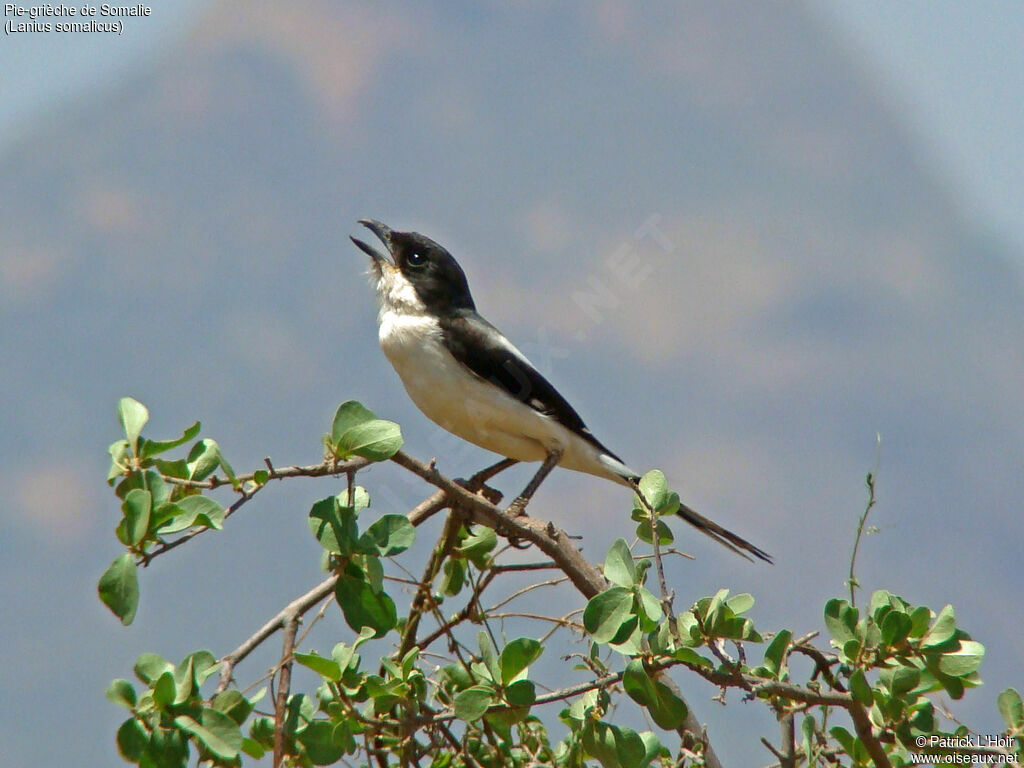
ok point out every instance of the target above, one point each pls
(553, 542)
(520, 592)
(787, 758)
(433, 567)
(324, 469)
(283, 686)
(295, 609)
(862, 725)
(870, 481)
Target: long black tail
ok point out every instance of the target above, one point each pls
(723, 536)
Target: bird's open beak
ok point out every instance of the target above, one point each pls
(383, 233)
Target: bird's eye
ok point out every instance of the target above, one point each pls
(416, 259)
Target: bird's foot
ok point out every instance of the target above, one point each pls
(518, 507)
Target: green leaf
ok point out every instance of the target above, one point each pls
(638, 683)
(150, 666)
(150, 448)
(942, 628)
(807, 729)
(204, 664)
(390, 535)
(262, 730)
(651, 607)
(318, 739)
(840, 619)
(369, 568)
(229, 473)
(689, 629)
(740, 603)
(122, 693)
(203, 459)
(172, 468)
(136, 508)
(164, 690)
(952, 685)
(654, 489)
(773, 654)
(489, 655)
(119, 460)
(345, 655)
(859, 688)
(349, 414)
(667, 710)
(132, 740)
(920, 617)
(189, 512)
(737, 628)
(360, 499)
(168, 748)
(233, 704)
(844, 738)
(158, 488)
(899, 680)
(896, 627)
(217, 732)
(363, 607)
(516, 657)
(334, 526)
(184, 681)
(1010, 707)
(453, 577)
(605, 613)
(376, 440)
(521, 693)
(478, 545)
(133, 416)
(614, 746)
(643, 532)
(712, 609)
(472, 703)
(629, 639)
(119, 588)
(691, 657)
(880, 598)
(253, 748)
(618, 564)
(324, 667)
(963, 661)
(851, 649)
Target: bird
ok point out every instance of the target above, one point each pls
(468, 378)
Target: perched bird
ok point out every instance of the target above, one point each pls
(468, 378)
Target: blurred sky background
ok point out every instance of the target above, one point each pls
(742, 238)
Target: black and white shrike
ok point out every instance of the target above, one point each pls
(468, 378)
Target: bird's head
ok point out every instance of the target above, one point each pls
(415, 263)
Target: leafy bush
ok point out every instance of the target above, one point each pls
(870, 699)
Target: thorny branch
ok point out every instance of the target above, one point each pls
(469, 504)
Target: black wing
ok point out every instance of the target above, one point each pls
(482, 348)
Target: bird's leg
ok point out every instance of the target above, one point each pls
(478, 482)
(518, 507)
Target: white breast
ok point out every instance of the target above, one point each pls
(453, 397)
(457, 400)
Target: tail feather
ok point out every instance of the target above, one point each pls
(723, 536)
(710, 528)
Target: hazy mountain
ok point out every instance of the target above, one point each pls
(700, 219)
